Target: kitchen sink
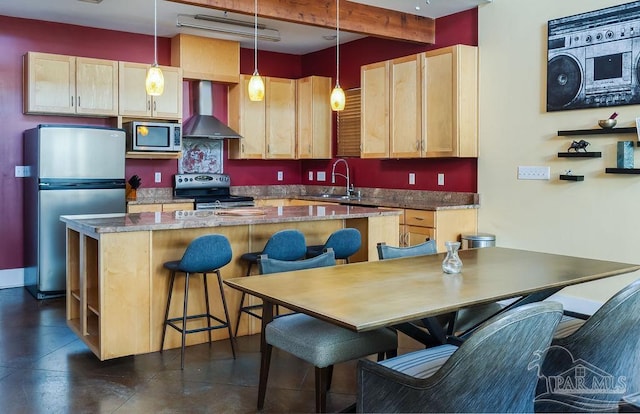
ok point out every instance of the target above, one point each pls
(336, 196)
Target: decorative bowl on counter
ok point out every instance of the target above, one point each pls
(607, 123)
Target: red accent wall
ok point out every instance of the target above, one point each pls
(20, 35)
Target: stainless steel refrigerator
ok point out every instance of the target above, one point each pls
(73, 170)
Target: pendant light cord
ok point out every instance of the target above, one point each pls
(337, 42)
(155, 32)
(255, 37)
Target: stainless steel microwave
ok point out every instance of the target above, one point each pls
(153, 136)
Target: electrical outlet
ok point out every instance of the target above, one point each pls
(23, 171)
(158, 177)
(310, 175)
(412, 178)
(534, 173)
(321, 176)
(441, 179)
(280, 176)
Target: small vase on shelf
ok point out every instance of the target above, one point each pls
(452, 263)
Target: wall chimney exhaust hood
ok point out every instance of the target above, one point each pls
(203, 124)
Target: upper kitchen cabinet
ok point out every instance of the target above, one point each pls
(450, 84)
(203, 58)
(268, 127)
(374, 99)
(392, 109)
(248, 119)
(280, 97)
(423, 105)
(134, 101)
(313, 118)
(69, 85)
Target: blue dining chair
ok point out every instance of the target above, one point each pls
(604, 350)
(320, 343)
(492, 371)
(289, 244)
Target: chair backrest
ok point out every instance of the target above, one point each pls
(268, 265)
(344, 242)
(206, 253)
(607, 347)
(286, 245)
(495, 370)
(391, 252)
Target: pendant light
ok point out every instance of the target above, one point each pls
(154, 83)
(337, 95)
(256, 85)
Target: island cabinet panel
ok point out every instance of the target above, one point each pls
(117, 285)
(68, 85)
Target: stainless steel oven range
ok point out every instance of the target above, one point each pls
(210, 191)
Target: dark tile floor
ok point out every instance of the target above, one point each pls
(45, 368)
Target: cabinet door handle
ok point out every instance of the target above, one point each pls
(148, 105)
(154, 106)
(78, 102)
(72, 101)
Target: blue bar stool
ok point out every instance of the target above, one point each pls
(289, 245)
(205, 254)
(344, 242)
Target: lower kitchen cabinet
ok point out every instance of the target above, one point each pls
(441, 225)
(158, 207)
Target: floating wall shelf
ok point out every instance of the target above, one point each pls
(622, 170)
(579, 154)
(571, 177)
(600, 131)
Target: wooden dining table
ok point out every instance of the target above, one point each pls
(389, 293)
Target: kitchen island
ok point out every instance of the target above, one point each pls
(117, 286)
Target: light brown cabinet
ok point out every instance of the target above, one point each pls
(158, 207)
(268, 127)
(204, 58)
(134, 101)
(441, 225)
(450, 82)
(313, 114)
(422, 105)
(69, 85)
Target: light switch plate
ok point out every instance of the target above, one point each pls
(23, 171)
(534, 173)
(158, 177)
(412, 178)
(441, 179)
(280, 176)
(321, 176)
(310, 175)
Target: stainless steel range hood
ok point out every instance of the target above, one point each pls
(203, 124)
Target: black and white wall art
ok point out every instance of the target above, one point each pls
(593, 59)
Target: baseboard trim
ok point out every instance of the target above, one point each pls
(11, 278)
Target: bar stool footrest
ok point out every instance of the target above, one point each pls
(222, 324)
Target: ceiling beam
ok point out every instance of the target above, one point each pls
(354, 17)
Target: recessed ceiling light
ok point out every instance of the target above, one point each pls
(92, 1)
(329, 37)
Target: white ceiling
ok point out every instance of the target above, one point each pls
(136, 16)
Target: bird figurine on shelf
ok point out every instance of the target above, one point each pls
(132, 187)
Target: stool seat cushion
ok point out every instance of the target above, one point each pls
(251, 257)
(423, 363)
(324, 344)
(204, 254)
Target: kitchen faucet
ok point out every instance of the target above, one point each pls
(346, 175)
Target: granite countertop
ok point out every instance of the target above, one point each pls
(373, 197)
(118, 223)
